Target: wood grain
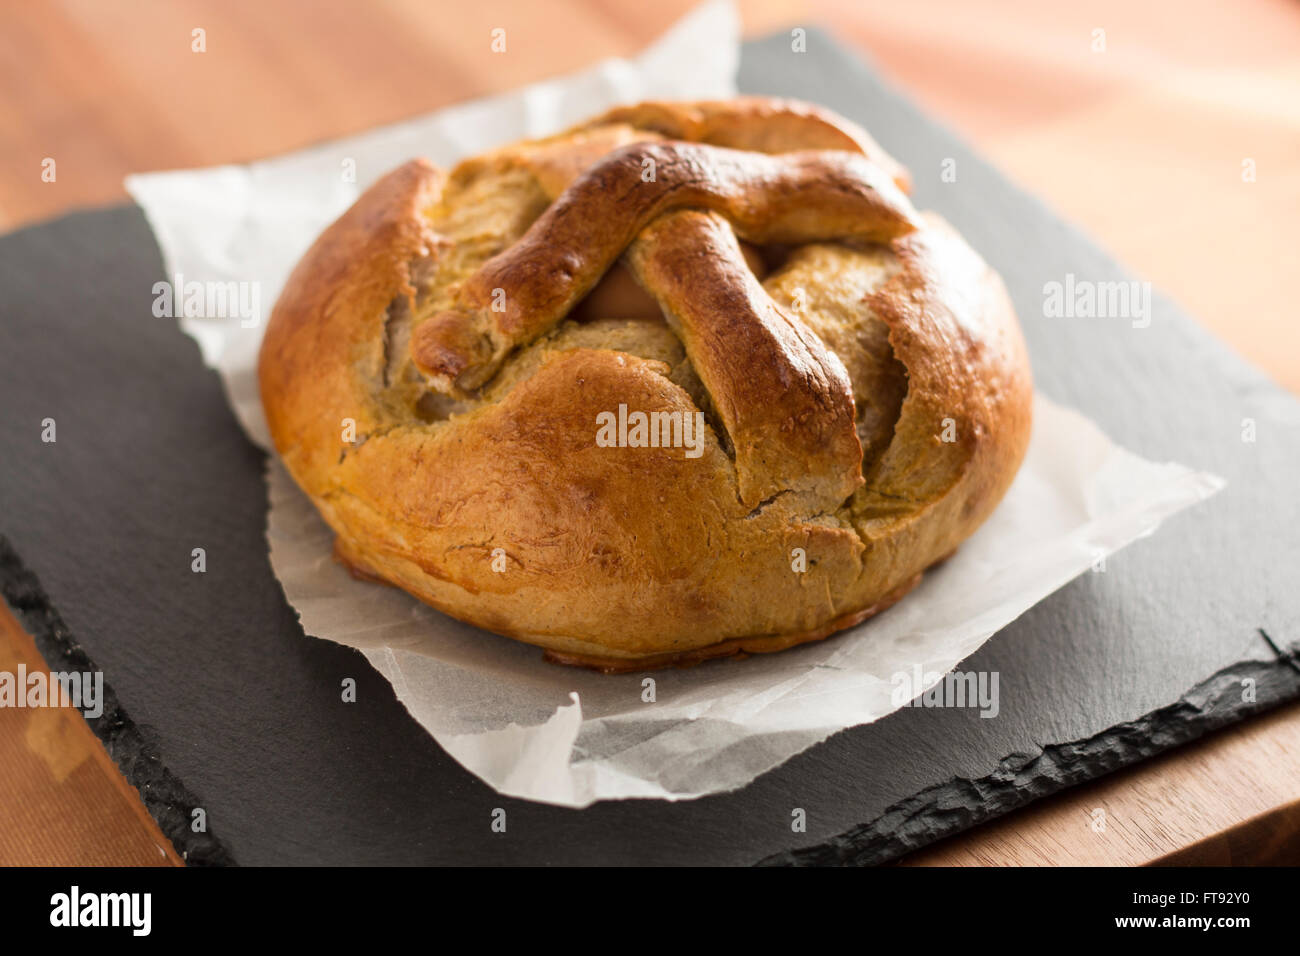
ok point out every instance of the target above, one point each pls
(62, 800)
(1233, 797)
(1142, 143)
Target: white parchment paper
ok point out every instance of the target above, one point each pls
(568, 736)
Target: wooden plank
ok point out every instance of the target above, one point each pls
(62, 800)
(1233, 797)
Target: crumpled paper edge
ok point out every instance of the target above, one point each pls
(542, 761)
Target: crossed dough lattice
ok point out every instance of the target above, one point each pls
(679, 206)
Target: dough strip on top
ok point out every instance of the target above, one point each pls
(526, 290)
(784, 398)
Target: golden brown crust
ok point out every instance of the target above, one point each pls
(865, 405)
(747, 351)
(758, 123)
(525, 290)
(739, 647)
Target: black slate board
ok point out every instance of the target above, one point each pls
(224, 704)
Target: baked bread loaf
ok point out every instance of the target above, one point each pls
(688, 380)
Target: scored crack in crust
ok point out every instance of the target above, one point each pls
(453, 374)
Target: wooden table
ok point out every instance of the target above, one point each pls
(1143, 133)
